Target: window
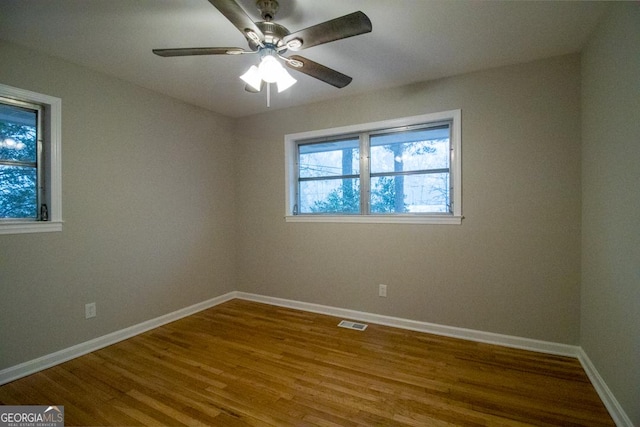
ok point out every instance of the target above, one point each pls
(19, 160)
(29, 162)
(329, 176)
(403, 170)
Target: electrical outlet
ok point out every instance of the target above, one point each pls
(382, 290)
(90, 310)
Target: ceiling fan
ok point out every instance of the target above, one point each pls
(271, 41)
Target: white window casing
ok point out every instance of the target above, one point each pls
(52, 159)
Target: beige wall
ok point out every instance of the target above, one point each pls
(148, 207)
(512, 267)
(610, 326)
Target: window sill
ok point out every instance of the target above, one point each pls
(20, 227)
(378, 219)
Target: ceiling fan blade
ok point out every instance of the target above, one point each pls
(190, 51)
(320, 72)
(354, 24)
(237, 16)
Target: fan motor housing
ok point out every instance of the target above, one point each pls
(273, 34)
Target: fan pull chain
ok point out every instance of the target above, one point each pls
(268, 95)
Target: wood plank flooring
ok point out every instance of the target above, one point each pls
(243, 363)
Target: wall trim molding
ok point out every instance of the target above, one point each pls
(414, 325)
(613, 406)
(47, 361)
(618, 414)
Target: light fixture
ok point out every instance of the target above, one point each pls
(270, 70)
(252, 78)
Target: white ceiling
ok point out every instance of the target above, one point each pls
(411, 41)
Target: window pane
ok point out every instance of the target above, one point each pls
(410, 193)
(416, 150)
(18, 196)
(335, 158)
(330, 196)
(18, 134)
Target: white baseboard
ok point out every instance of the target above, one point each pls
(413, 325)
(615, 410)
(32, 366)
(618, 414)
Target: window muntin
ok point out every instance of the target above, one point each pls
(405, 171)
(20, 169)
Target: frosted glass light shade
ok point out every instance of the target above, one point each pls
(270, 70)
(252, 78)
(285, 81)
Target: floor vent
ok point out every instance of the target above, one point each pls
(352, 325)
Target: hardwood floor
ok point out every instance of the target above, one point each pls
(243, 363)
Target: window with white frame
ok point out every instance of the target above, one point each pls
(30, 193)
(402, 170)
